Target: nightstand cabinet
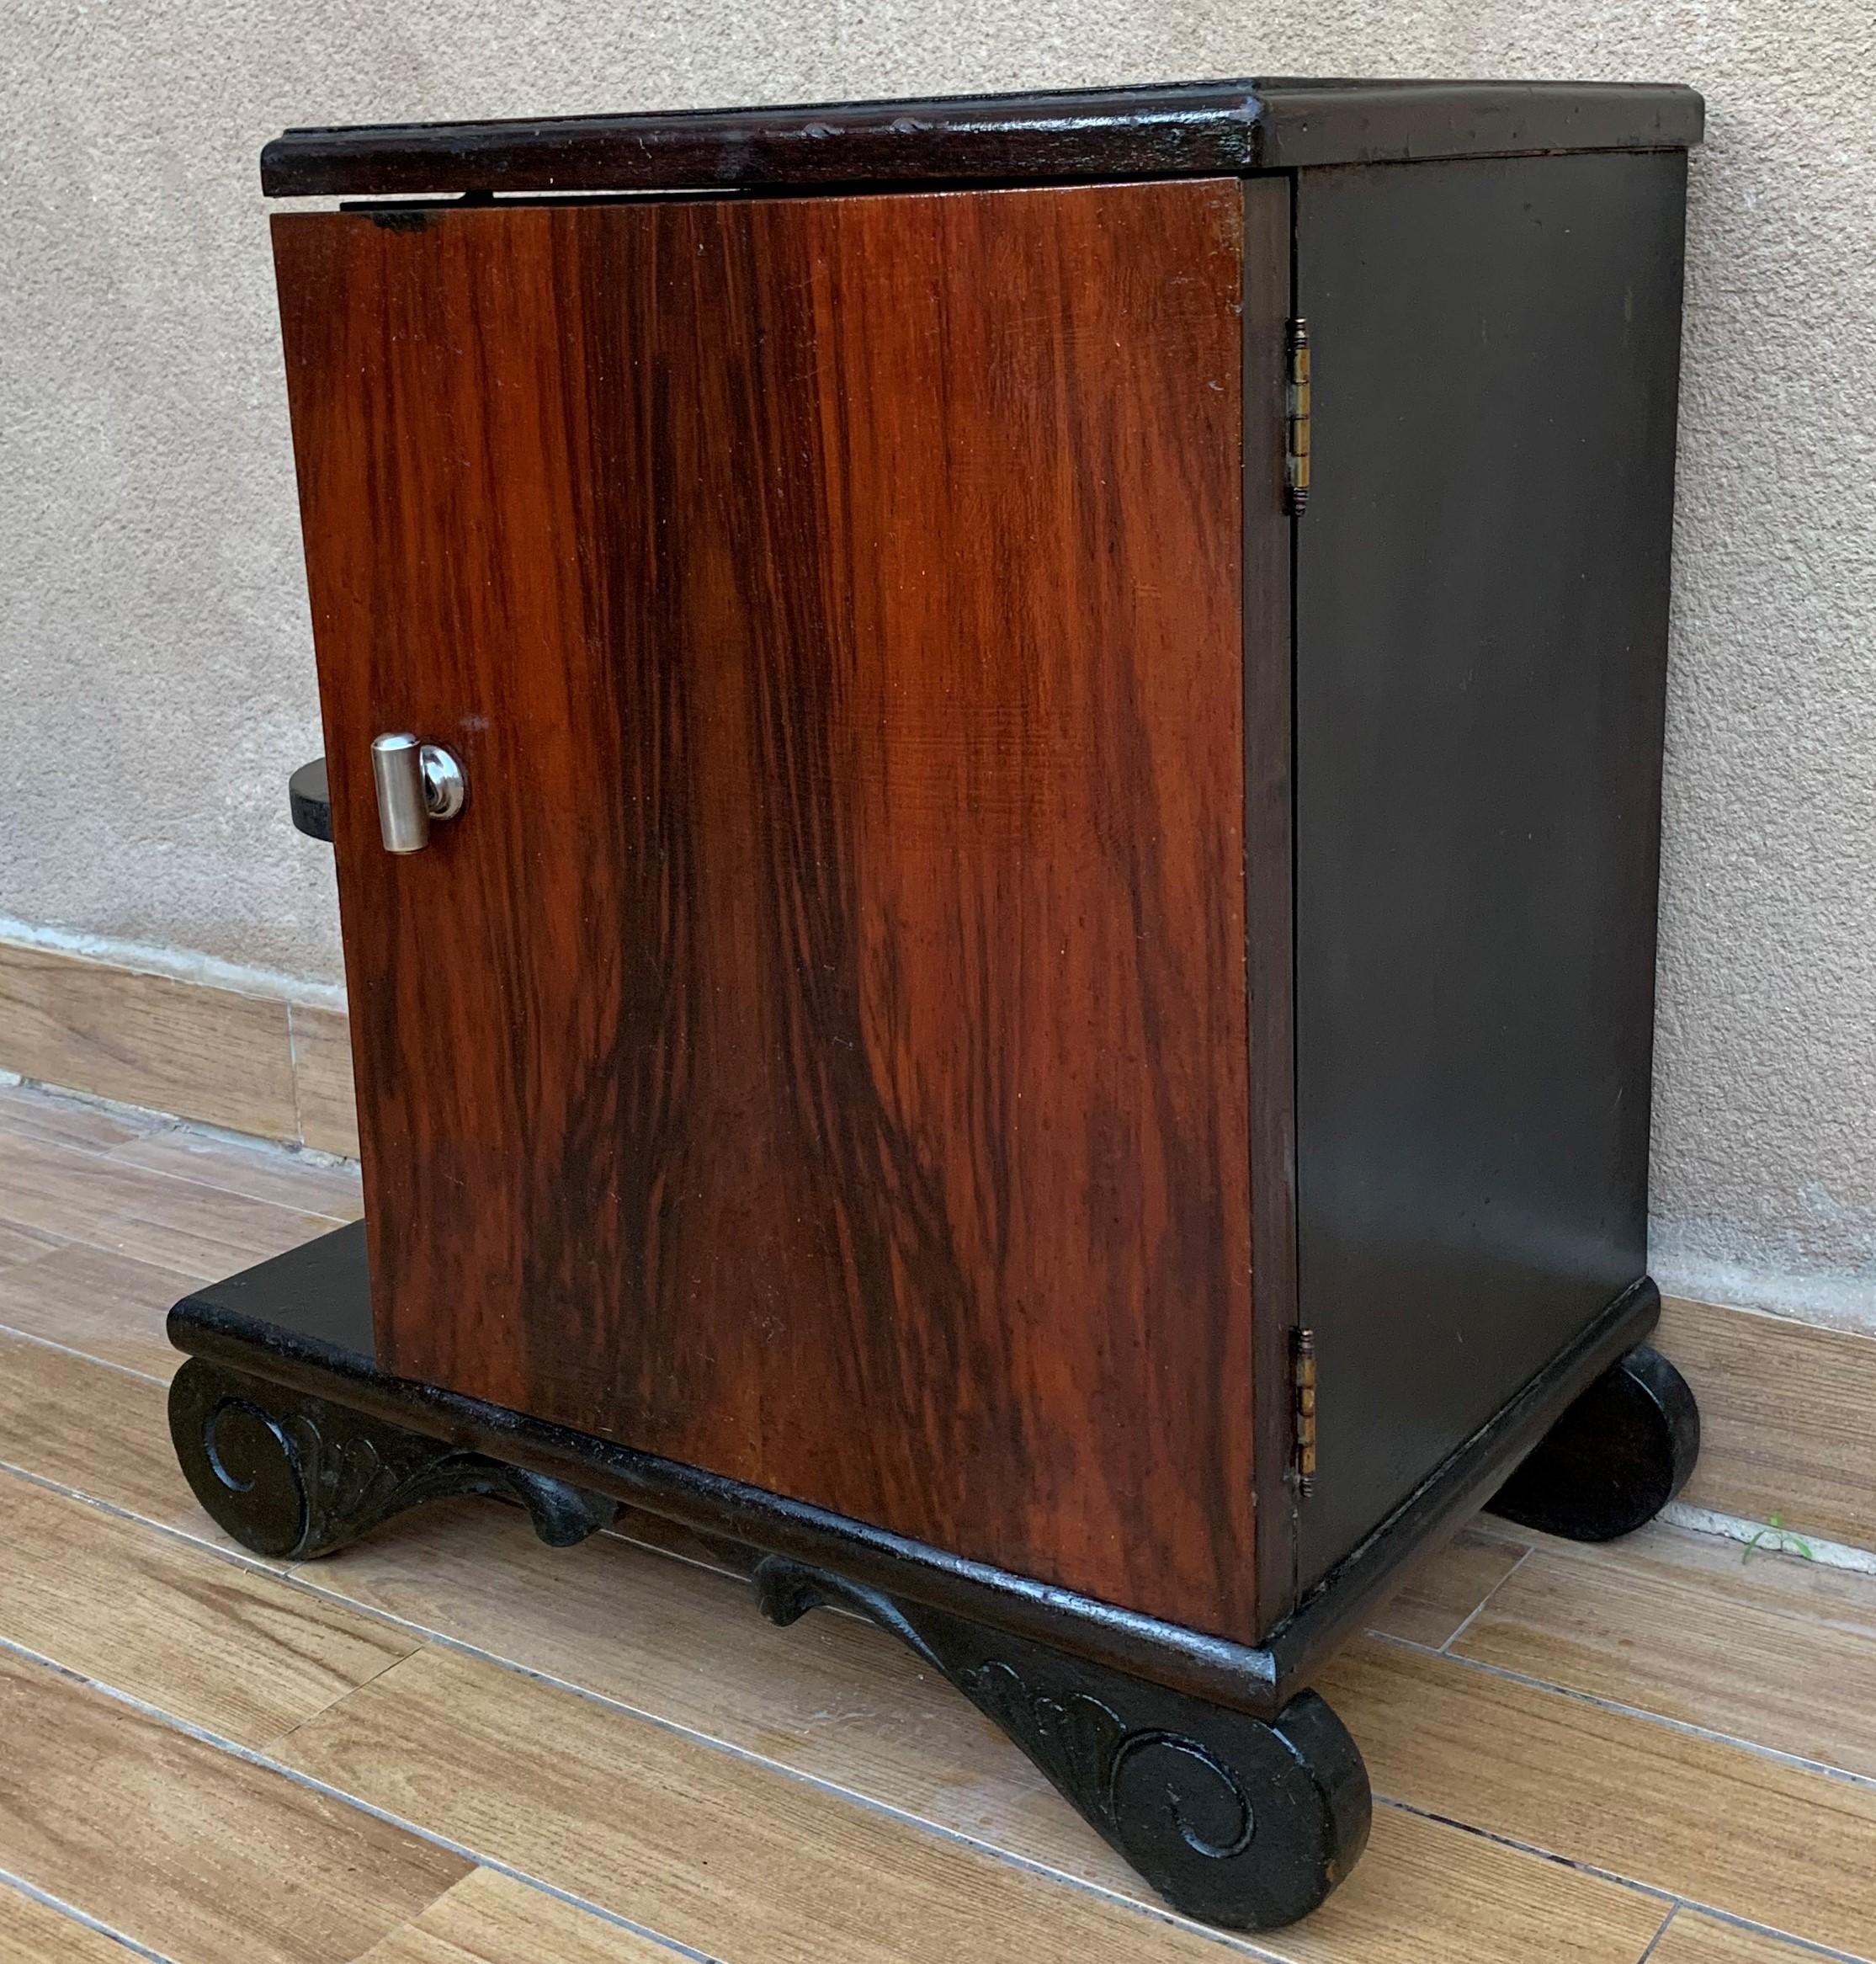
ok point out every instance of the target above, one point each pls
(995, 773)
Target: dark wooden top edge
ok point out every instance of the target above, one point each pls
(1329, 123)
(1194, 129)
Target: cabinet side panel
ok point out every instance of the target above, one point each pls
(1270, 877)
(1482, 601)
(818, 1052)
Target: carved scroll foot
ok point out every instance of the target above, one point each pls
(1242, 1824)
(1614, 1459)
(291, 1476)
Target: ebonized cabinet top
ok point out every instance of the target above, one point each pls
(1192, 129)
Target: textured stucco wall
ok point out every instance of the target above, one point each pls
(154, 658)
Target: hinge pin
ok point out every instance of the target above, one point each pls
(1296, 417)
(1304, 1373)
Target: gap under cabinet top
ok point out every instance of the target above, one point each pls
(1191, 129)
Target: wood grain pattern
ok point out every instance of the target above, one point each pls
(97, 1429)
(275, 1070)
(207, 1639)
(1425, 1890)
(1719, 1825)
(179, 1047)
(839, 1080)
(729, 1856)
(260, 1171)
(30, 1111)
(831, 1697)
(490, 1918)
(186, 1849)
(1775, 1651)
(1443, 1589)
(325, 1097)
(105, 1305)
(25, 1244)
(32, 1933)
(150, 1217)
(1785, 1419)
(1694, 1939)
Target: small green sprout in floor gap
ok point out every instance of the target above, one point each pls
(1775, 1537)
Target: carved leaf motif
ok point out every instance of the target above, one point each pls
(306, 1476)
(352, 1475)
(1242, 1822)
(1076, 1739)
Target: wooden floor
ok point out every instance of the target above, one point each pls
(452, 1746)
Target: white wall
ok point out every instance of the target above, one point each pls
(155, 673)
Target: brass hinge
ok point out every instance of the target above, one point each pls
(1296, 417)
(1303, 1376)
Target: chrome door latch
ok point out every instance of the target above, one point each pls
(417, 782)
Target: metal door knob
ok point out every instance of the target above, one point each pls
(417, 782)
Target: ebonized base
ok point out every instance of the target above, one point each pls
(291, 1476)
(1210, 1766)
(1243, 1822)
(1614, 1459)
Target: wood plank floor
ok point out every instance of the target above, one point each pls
(449, 1745)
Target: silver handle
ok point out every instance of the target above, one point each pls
(417, 782)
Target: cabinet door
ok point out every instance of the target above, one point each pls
(818, 1051)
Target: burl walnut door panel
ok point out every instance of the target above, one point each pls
(818, 1051)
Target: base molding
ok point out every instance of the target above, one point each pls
(1209, 1765)
(1246, 1822)
(295, 1477)
(303, 1320)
